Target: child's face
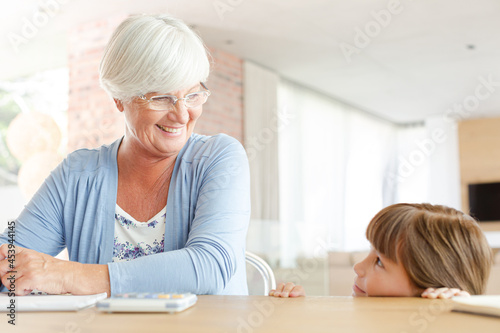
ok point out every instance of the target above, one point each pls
(380, 276)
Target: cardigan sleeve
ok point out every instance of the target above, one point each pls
(39, 226)
(215, 246)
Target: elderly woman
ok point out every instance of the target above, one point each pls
(161, 209)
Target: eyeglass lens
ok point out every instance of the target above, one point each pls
(167, 102)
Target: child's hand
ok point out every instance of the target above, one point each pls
(287, 290)
(443, 293)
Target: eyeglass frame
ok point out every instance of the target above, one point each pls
(175, 99)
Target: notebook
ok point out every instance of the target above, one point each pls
(50, 302)
(487, 305)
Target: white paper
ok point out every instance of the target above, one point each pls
(50, 302)
(479, 304)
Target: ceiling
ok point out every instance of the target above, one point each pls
(420, 59)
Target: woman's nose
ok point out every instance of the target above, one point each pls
(179, 113)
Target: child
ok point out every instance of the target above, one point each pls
(419, 249)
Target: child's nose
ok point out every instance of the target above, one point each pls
(358, 269)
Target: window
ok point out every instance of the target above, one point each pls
(32, 135)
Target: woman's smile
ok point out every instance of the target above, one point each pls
(171, 131)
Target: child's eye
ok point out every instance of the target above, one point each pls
(379, 262)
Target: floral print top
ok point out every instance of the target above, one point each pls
(135, 239)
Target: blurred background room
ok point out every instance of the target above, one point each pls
(344, 107)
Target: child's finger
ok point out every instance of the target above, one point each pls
(448, 293)
(280, 286)
(297, 291)
(443, 293)
(438, 293)
(454, 291)
(277, 292)
(427, 292)
(457, 292)
(441, 290)
(287, 289)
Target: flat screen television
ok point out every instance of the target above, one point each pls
(484, 201)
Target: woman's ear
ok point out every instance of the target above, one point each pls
(119, 104)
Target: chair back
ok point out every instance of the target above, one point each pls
(259, 275)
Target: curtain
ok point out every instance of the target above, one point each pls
(412, 165)
(262, 122)
(311, 180)
(322, 169)
(332, 165)
(428, 163)
(444, 180)
(261, 126)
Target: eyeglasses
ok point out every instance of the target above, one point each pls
(167, 102)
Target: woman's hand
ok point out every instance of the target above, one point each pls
(287, 290)
(27, 270)
(443, 293)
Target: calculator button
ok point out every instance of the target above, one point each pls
(164, 296)
(177, 296)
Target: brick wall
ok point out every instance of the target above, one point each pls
(93, 119)
(223, 112)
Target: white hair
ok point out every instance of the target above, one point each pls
(152, 53)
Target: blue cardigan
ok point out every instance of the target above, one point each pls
(208, 211)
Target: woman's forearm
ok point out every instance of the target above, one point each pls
(87, 279)
(35, 270)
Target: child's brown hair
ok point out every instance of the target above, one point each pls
(438, 246)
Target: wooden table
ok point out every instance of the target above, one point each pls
(250, 314)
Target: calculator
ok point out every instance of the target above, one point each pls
(147, 302)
